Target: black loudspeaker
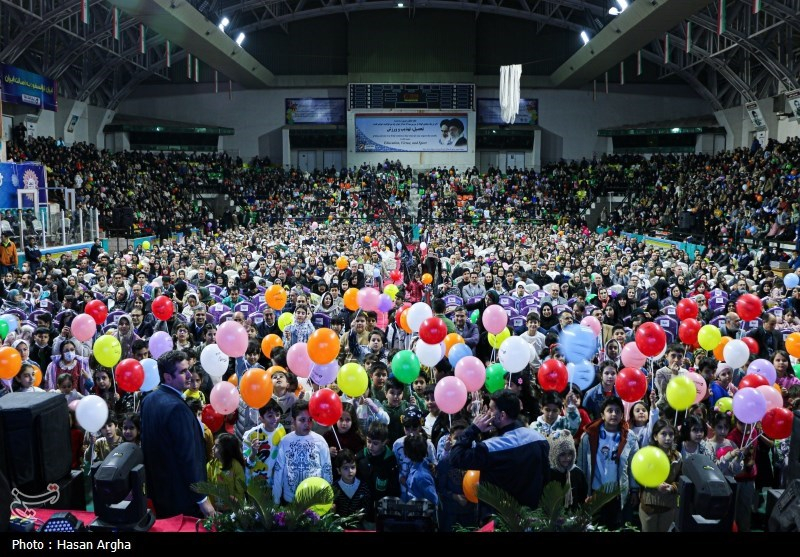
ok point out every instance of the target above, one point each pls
(71, 492)
(126, 217)
(785, 516)
(687, 221)
(35, 447)
(793, 468)
(5, 503)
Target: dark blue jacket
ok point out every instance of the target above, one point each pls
(174, 453)
(516, 461)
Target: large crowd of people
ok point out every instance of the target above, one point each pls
(481, 243)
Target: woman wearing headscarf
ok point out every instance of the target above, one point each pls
(326, 305)
(15, 300)
(125, 335)
(548, 317)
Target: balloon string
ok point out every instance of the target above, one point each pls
(450, 417)
(333, 429)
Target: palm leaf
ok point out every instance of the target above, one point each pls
(258, 490)
(218, 492)
(552, 500)
(307, 498)
(601, 497)
(509, 510)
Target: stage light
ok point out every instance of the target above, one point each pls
(584, 37)
(223, 24)
(400, 5)
(63, 523)
(240, 39)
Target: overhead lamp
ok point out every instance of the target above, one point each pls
(240, 39)
(623, 5)
(223, 24)
(400, 5)
(584, 37)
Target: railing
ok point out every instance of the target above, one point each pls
(56, 228)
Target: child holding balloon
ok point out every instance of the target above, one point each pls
(658, 504)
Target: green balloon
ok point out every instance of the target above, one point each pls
(3, 328)
(796, 368)
(405, 366)
(494, 378)
(474, 316)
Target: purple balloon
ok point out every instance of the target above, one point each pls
(324, 374)
(160, 343)
(749, 405)
(764, 368)
(385, 303)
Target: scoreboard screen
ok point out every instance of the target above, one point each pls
(435, 96)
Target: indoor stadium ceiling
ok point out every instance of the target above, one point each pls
(753, 57)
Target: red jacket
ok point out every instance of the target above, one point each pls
(414, 291)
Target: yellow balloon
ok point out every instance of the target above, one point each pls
(145, 245)
(650, 466)
(352, 379)
(724, 404)
(496, 340)
(709, 337)
(107, 351)
(681, 392)
(311, 486)
(285, 320)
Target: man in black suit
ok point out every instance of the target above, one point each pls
(172, 441)
(769, 340)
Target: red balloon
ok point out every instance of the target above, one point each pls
(650, 339)
(325, 407)
(97, 310)
(753, 380)
(777, 423)
(433, 330)
(212, 418)
(688, 330)
(553, 375)
(748, 307)
(162, 308)
(400, 311)
(751, 343)
(396, 275)
(129, 375)
(631, 384)
(687, 309)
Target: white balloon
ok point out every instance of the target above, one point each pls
(151, 378)
(429, 354)
(214, 360)
(418, 313)
(92, 413)
(423, 245)
(736, 353)
(514, 354)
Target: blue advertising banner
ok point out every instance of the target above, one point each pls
(489, 112)
(23, 176)
(24, 87)
(315, 111)
(411, 133)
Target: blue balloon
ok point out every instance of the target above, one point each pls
(457, 352)
(581, 374)
(577, 343)
(11, 320)
(151, 378)
(791, 280)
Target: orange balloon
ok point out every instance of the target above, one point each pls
(276, 369)
(256, 387)
(404, 322)
(37, 376)
(10, 362)
(275, 297)
(269, 342)
(427, 278)
(233, 380)
(341, 263)
(323, 345)
(793, 344)
(367, 239)
(451, 340)
(470, 485)
(351, 299)
(718, 351)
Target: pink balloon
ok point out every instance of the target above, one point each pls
(232, 339)
(772, 396)
(494, 319)
(700, 385)
(74, 405)
(160, 343)
(298, 360)
(368, 299)
(450, 395)
(83, 327)
(224, 398)
(632, 357)
(592, 322)
(472, 373)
